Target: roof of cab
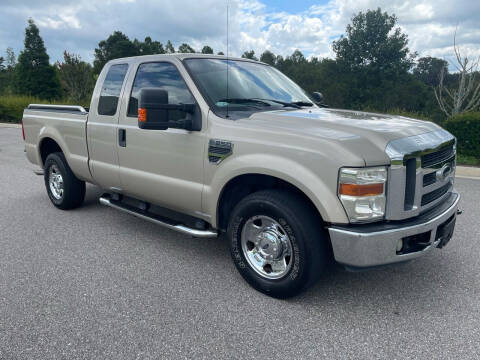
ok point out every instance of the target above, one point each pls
(180, 56)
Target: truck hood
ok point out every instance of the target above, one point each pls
(364, 134)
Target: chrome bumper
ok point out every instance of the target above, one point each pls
(376, 244)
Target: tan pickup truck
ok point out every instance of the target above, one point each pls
(207, 145)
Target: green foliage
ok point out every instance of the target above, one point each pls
(249, 55)
(220, 53)
(169, 49)
(116, 46)
(268, 57)
(207, 50)
(372, 42)
(466, 127)
(148, 46)
(33, 74)
(76, 77)
(185, 48)
(429, 68)
(12, 106)
(467, 160)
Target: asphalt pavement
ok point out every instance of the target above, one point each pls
(94, 283)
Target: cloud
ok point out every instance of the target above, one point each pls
(78, 25)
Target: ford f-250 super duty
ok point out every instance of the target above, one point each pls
(207, 145)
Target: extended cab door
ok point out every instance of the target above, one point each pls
(164, 167)
(102, 127)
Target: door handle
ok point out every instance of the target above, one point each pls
(122, 137)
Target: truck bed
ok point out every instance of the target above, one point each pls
(66, 124)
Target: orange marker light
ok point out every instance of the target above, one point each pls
(361, 190)
(142, 114)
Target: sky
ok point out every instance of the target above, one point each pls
(280, 26)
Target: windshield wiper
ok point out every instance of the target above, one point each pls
(261, 101)
(294, 104)
(244, 101)
(302, 103)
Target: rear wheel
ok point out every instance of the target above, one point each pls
(64, 189)
(277, 242)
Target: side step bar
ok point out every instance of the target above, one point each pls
(107, 201)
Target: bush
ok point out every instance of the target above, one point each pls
(466, 127)
(11, 107)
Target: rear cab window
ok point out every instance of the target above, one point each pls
(111, 88)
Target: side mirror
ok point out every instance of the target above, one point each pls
(153, 110)
(318, 98)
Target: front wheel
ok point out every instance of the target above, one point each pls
(64, 189)
(277, 242)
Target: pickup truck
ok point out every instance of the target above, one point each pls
(208, 145)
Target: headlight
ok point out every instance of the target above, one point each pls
(362, 192)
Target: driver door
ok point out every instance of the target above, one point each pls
(164, 167)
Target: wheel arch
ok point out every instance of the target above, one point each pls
(242, 185)
(47, 146)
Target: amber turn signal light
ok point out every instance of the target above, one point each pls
(142, 114)
(361, 190)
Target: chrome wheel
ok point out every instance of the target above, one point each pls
(55, 182)
(267, 247)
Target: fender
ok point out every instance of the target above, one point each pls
(321, 191)
(77, 162)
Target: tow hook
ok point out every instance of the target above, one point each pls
(459, 212)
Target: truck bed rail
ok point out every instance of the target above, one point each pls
(60, 108)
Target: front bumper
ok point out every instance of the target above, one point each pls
(376, 244)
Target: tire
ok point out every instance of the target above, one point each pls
(67, 191)
(264, 222)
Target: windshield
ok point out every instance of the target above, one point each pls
(248, 83)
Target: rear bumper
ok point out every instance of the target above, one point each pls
(376, 244)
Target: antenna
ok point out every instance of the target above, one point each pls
(227, 54)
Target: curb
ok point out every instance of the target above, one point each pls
(467, 172)
(10, 125)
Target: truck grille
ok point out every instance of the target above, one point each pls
(435, 194)
(429, 179)
(421, 173)
(438, 156)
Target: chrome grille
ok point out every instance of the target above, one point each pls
(436, 157)
(435, 194)
(429, 179)
(421, 173)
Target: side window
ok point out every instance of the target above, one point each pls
(160, 75)
(107, 105)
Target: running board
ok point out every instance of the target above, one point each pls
(104, 200)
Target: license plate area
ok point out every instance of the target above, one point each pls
(445, 231)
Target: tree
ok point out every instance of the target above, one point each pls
(2, 66)
(33, 74)
(373, 42)
(148, 47)
(268, 57)
(115, 46)
(207, 50)
(11, 59)
(169, 49)
(249, 55)
(185, 48)
(428, 70)
(220, 53)
(76, 77)
(465, 96)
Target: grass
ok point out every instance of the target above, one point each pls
(11, 106)
(467, 160)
